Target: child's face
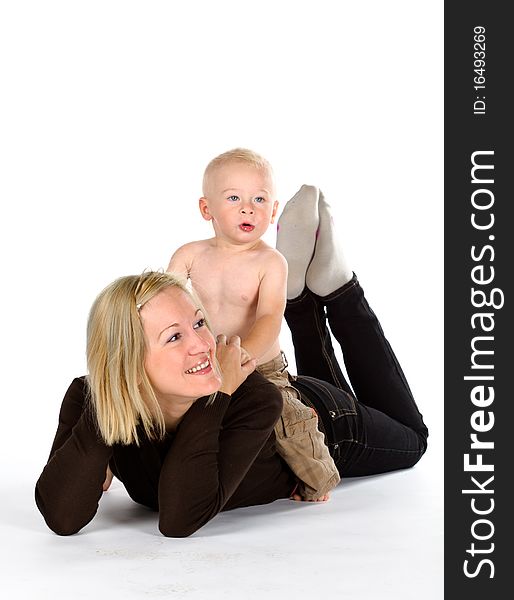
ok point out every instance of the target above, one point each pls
(240, 201)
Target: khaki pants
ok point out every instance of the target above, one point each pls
(299, 441)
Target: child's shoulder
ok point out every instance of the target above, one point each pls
(271, 258)
(270, 253)
(183, 258)
(192, 248)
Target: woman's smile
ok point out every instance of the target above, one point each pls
(201, 369)
(180, 348)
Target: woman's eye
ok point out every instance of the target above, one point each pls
(174, 337)
(198, 324)
(233, 198)
(260, 200)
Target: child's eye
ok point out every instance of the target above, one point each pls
(200, 323)
(259, 199)
(175, 337)
(233, 198)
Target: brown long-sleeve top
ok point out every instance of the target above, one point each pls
(220, 457)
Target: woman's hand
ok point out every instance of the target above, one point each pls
(230, 356)
(245, 356)
(108, 479)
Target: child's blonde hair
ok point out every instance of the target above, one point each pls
(121, 394)
(241, 155)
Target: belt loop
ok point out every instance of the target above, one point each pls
(286, 364)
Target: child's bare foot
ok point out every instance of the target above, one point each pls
(299, 498)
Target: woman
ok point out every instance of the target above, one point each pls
(188, 429)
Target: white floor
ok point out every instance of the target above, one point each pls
(378, 538)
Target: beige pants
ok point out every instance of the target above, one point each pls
(299, 441)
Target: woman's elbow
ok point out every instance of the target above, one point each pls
(60, 520)
(63, 524)
(177, 530)
(182, 522)
(64, 529)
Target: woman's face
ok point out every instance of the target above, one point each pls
(180, 348)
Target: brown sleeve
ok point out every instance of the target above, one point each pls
(70, 486)
(213, 450)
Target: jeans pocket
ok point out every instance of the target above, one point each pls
(337, 411)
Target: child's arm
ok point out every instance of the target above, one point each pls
(180, 261)
(270, 308)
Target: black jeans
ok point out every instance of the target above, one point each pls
(376, 426)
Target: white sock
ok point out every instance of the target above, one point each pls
(328, 270)
(296, 236)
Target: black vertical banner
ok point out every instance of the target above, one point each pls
(479, 269)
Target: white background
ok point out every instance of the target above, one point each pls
(110, 112)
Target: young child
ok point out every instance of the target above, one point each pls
(242, 282)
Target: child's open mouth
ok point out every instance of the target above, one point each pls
(246, 227)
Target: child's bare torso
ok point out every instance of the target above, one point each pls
(228, 282)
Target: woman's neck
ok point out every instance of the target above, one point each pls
(174, 411)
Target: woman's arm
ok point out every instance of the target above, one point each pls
(213, 450)
(70, 486)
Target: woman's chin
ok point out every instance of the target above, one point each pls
(209, 384)
(216, 384)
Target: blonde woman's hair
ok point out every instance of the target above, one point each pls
(121, 394)
(241, 155)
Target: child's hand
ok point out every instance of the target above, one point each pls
(229, 355)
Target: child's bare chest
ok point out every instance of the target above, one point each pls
(227, 282)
